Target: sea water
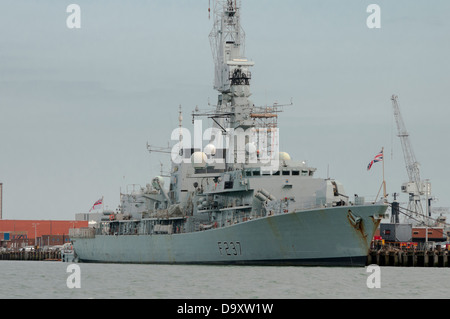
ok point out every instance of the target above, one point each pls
(54, 280)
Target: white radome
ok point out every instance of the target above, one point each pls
(210, 150)
(198, 160)
(283, 156)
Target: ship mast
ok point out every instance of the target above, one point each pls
(232, 74)
(227, 40)
(234, 110)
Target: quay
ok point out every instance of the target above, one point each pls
(408, 258)
(31, 255)
(380, 257)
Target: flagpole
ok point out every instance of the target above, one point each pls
(383, 183)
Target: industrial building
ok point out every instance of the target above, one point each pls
(16, 234)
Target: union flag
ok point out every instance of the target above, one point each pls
(378, 158)
(97, 204)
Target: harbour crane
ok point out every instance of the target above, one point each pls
(416, 188)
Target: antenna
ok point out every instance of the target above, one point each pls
(180, 124)
(168, 149)
(157, 149)
(162, 174)
(227, 40)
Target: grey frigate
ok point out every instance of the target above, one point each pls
(238, 200)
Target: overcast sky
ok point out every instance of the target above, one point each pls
(77, 106)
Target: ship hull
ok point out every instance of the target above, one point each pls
(320, 237)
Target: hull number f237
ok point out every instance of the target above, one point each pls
(229, 248)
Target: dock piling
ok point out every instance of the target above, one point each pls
(408, 258)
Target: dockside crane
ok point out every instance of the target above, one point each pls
(416, 188)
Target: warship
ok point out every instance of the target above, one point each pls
(238, 200)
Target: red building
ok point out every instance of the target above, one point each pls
(422, 234)
(20, 233)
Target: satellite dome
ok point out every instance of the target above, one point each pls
(210, 149)
(198, 160)
(283, 156)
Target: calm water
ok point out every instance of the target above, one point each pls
(29, 279)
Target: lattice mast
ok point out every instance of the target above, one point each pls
(232, 74)
(232, 77)
(227, 40)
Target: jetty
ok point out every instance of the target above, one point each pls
(381, 257)
(31, 255)
(408, 258)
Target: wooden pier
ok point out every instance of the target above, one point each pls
(409, 258)
(31, 255)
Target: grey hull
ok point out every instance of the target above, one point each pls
(321, 237)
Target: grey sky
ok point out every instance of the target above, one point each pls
(77, 107)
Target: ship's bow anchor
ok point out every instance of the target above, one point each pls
(357, 222)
